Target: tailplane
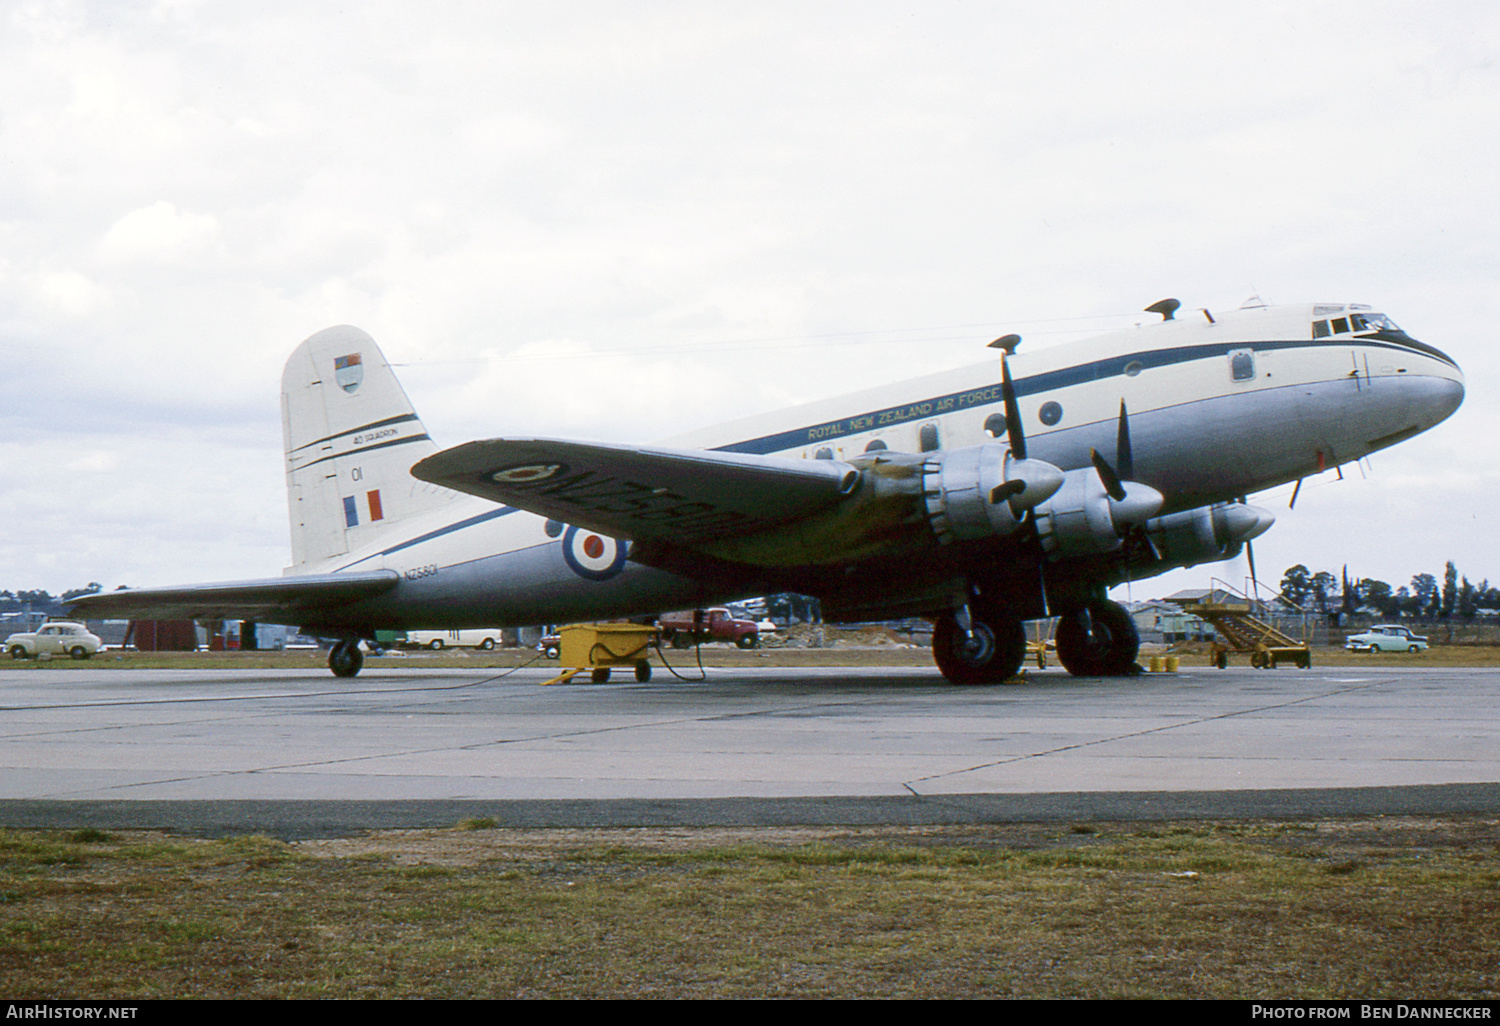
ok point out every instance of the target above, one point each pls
(351, 436)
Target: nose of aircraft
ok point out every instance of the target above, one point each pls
(1440, 365)
(1438, 392)
(1409, 397)
(1450, 396)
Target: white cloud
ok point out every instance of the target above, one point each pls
(189, 189)
(159, 232)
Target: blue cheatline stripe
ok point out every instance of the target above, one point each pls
(482, 518)
(1097, 370)
(351, 514)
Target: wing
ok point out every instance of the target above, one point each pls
(646, 494)
(287, 600)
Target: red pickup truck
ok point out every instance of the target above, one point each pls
(684, 627)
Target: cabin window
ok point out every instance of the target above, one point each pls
(994, 425)
(553, 528)
(1339, 325)
(927, 438)
(875, 446)
(1241, 364)
(1320, 329)
(1133, 368)
(1050, 413)
(824, 453)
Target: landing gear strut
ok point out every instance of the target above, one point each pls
(989, 652)
(1099, 640)
(345, 659)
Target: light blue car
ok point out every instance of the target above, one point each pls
(1386, 638)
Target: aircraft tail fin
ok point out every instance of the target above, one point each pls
(351, 436)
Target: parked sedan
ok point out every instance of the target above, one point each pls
(57, 638)
(1386, 638)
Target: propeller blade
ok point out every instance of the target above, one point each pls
(1107, 474)
(1000, 493)
(1250, 554)
(1123, 456)
(1012, 412)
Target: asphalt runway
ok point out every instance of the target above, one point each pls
(298, 753)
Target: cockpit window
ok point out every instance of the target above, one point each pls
(1373, 322)
(1354, 322)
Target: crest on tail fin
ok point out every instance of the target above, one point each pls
(351, 436)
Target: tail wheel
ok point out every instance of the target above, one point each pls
(1099, 640)
(991, 652)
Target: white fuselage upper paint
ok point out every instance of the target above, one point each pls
(1217, 409)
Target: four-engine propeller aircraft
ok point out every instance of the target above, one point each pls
(981, 497)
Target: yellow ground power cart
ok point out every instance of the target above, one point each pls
(600, 646)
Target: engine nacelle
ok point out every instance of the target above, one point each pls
(1206, 534)
(980, 491)
(1082, 520)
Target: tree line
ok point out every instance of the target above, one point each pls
(1423, 599)
(39, 601)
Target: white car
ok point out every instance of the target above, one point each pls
(57, 638)
(1386, 638)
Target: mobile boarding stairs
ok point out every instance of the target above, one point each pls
(1243, 625)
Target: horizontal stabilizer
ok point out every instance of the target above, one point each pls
(285, 600)
(678, 495)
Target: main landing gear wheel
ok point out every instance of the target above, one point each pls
(1099, 640)
(345, 659)
(991, 653)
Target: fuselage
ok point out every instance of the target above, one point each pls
(1219, 407)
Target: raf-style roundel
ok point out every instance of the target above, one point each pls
(526, 473)
(593, 555)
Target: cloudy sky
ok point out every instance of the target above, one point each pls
(624, 221)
